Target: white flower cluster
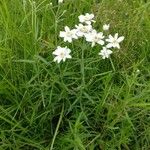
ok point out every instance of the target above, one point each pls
(85, 29)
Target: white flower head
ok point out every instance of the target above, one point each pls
(82, 30)
(106, 27)
(138, 71)
(114, 41)
(68, 34)
(87, 18)
(61, 54)
(60, 1)
(105, 53)
(95, 37)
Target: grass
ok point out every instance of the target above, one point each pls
(85, 103)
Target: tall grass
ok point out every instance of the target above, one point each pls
(86, 102)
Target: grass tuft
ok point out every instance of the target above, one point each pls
(84, 103)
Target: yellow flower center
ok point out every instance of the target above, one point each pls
(69, 34)
(83, 29)
(62, 55)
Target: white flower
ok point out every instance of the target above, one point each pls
(95, 37)
(114, 41)
(105, 53)
(82, 30)
(87, 18)
(68, 34)
(106, 27)
(60, 1)
(137, 71)
(62, 53)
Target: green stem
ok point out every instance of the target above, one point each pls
(82, 69)
(58, 125)
(112, 64)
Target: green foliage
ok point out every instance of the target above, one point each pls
(86, 102)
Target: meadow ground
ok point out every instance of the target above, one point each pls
(86, 103)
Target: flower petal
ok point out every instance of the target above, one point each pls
(67, 29)
(120, 39)
(116, 36)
